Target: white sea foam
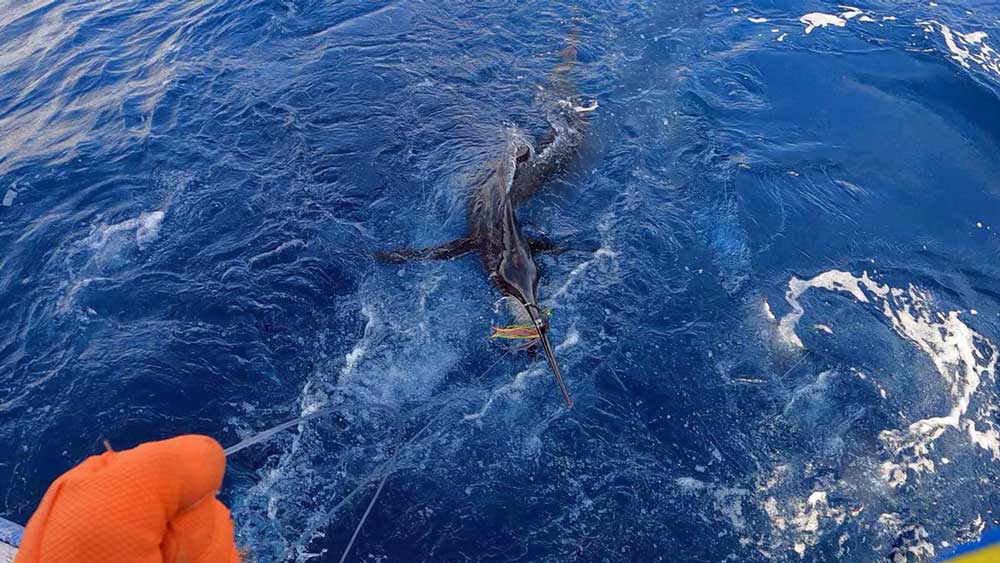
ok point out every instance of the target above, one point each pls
(311, 399)
(805, 518)
(833, 280)
(819, 19)
(689, 484)
(768, 314)
(962, 358)
(149, 226)
(726, 501)
(967, 49)
(601, 253)
(67, 300)
(357, 353)
(8, 198)
(850, 12)
(798, 522)
(916, 537)
(106, 248)
(146, 227)
(975, 38)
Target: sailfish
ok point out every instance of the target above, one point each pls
(521, 169)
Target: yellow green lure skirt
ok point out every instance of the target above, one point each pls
(518, 332)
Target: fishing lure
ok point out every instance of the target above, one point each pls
(518, 332)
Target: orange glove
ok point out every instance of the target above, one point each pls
(151, 504)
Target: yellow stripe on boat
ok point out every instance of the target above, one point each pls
(986, 550)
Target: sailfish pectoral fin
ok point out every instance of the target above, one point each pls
(447, 251)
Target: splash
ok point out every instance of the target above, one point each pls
(726, 501)
(804, 518)
(963, 359)
(146, 227)
(359, 350)
(604, 256)
(601, 253)
(514, 388)
(917, 541)
(106, 251)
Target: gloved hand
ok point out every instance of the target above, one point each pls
(151, 504)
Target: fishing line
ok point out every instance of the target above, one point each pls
(390, 466)
(494, 364)
(271, 432)
(364, 517)
(267, 434)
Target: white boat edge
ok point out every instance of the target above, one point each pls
(10, 538)
(7, 553)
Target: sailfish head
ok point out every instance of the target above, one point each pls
(518, 276)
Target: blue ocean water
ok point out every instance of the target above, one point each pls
(781, 332)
